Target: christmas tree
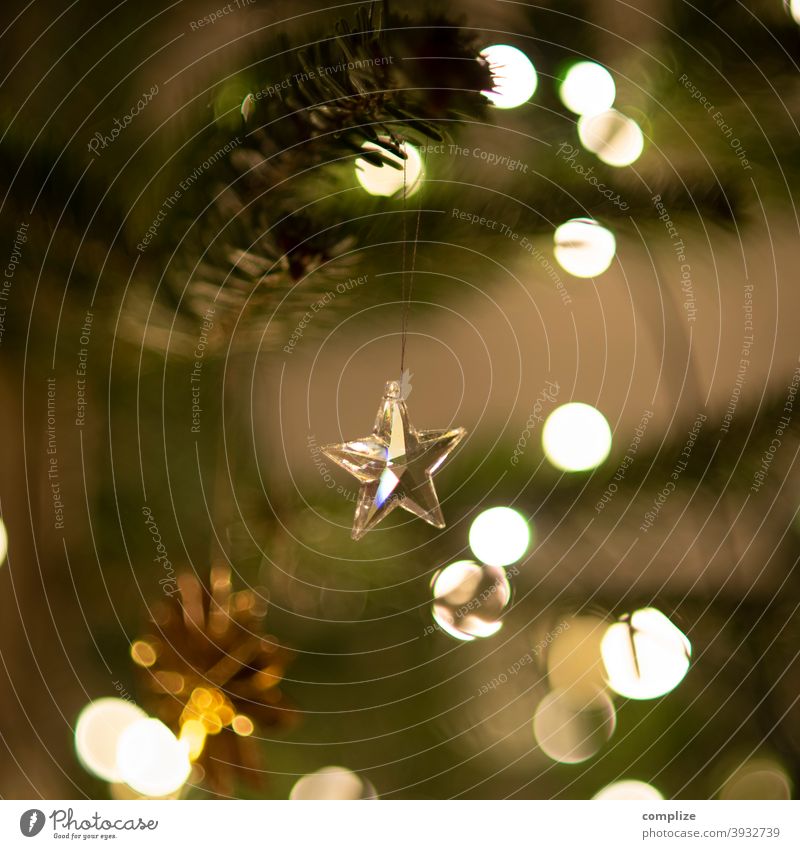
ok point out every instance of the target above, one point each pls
(566, 229)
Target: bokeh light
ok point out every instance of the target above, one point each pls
(760, 778)
(574, 661)
(570, 730)
(583, 247)
(513, 76)
(576, 437)
(194, 734)
(332, 782)
(228, 102)
(386, 181)
(143, 653)
(242, 725)
(499, 536)
(97, 733)
(631, 790)
(645, 655)
(151, 760)
(469, 599)
(614, 138)
(587, 88)
(3, 542)
(248, 107)
(794, 10)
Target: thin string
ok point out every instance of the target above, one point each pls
(407, 290)
(403, 322)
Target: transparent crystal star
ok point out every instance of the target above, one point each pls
(395, 465)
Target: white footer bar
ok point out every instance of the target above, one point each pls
(402, 824)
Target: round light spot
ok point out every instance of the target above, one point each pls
(151, 760)
(570, 731)
(794, 10)
(386, 181)
(3, 542)
(615, 139)
(574, 662)
(513, 76)
(242, 725)
(645, 655)
(638, 791)
(760, 778)
(587, 89)
(583, 247)
(143, 653)
(499, 536)
(469, 599)
(332, 782)
(576, 437)
(97, 732)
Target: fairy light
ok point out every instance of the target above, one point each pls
(645, 655)
(499, 536)
(332, 782)
(97, 733)
(583, 247)
(469, 599)
(574, 661)
(513, 76)
(242, 725)
(588, 88)
(386, 181)
(143, 653)
(576, 437)
(613, 137)
(3, 542)
(207, 712)
(151, 760)
(570, 730)
(193, 733)
(630, 790)
(759, 778)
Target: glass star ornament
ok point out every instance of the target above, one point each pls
(395, 464)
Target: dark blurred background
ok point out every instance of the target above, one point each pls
(112, 331)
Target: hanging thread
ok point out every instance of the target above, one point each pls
(406, 290)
